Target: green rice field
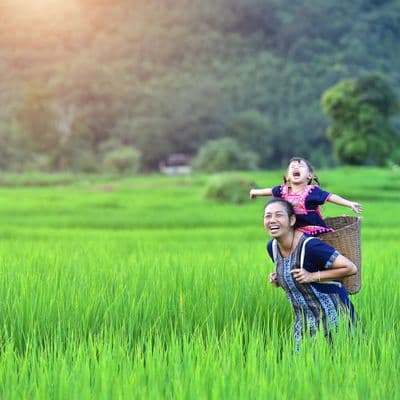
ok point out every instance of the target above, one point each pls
(139, 288)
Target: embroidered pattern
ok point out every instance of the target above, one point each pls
(311, 214)
(310, 306)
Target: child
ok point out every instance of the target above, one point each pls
(305, 197)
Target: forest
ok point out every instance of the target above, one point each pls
(83, 78)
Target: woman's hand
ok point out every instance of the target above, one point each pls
(303, 276)
(273, 280)
(341, 267)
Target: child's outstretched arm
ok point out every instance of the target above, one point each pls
(260, 192)
(334, 198)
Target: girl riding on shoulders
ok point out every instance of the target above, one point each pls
(306, 197)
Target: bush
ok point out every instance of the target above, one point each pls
(225, 155)
(123, 160)
(394, 157)
(229, 188)
(38, 162)
(86, 162)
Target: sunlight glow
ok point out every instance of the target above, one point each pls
(38, 5)
(40, 10)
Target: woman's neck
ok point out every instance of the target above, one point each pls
(287, 243)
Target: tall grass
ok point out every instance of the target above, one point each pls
(134, 293)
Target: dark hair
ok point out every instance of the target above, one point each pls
(288, 206)
(310, 168)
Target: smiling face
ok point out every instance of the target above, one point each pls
(299, 172)
(277, 221)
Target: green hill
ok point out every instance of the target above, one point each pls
(165, 76)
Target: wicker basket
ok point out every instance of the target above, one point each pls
(347, 241)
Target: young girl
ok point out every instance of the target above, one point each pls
(305, 197)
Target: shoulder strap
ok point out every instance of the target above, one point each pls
(303, 251)
(303, 247)
(274, 250)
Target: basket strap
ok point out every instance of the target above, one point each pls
(302, 255)
(303, 251)
(274, 250)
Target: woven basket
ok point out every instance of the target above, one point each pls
(347, 241)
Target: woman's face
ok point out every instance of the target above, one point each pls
(276, 220)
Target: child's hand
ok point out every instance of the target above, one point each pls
(357, 208)
(253, 194)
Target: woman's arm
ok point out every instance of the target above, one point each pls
(260, 192)
(334, 198)
(340, 268)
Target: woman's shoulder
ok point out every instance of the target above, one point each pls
(317, 251)
(269, 248)
(313, 242)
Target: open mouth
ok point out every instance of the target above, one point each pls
(273, 228)
(296, 174)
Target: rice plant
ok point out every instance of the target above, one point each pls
(119, 291)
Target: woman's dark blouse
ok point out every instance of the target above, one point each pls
(318, 257)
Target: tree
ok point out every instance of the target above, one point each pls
(174, 87)
(253, 131)
(360, 110)
(38, 118)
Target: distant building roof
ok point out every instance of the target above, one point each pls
(176, 164)
(178, 159)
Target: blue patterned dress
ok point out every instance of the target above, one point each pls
(312, 303)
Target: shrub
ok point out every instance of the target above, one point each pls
(394, 157)
(224, 155)
(229, 188)
(86, 162)
(38, 162)
(123, 160)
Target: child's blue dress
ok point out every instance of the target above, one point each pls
(306, 206)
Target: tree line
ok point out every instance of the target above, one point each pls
(166, 77)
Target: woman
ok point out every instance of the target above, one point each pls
(314, 291)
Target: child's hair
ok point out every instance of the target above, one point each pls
(288, 206)
(310, 168)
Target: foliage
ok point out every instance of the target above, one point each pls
(38, 179)
(167, 77)
(394, 158)
(229, 188)
(14, 152)
(360, 110)
(86, 161)
(37, 117)
(224, 154)
(253, 132)
(123, 160)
